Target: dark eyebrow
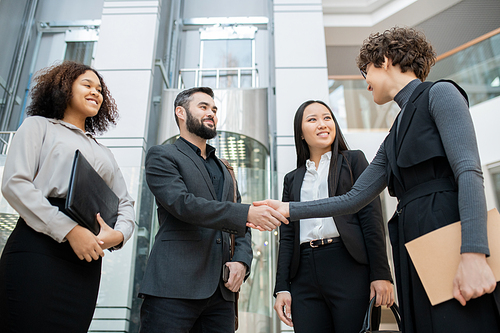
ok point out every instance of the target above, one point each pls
(89, 80)
(315, 115)
(206, 104)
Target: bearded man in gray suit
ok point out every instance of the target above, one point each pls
(183, 289)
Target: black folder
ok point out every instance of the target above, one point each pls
(88, 194)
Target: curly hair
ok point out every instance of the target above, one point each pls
(53, 92)
(406, 47)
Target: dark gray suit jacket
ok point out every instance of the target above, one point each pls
(192, 243)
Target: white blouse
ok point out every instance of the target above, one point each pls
(38, 166)
(315, 186)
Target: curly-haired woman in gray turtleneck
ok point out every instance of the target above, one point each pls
(430, 162)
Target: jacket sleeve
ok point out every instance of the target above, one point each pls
(372, 226)
(285, 251)
(167, 185)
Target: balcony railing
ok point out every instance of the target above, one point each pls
(475, 66)
(5, 140)
(229, 77)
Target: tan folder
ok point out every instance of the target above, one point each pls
(436, 256)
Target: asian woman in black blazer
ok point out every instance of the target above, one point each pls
(328, 268)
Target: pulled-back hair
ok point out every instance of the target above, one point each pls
(185, 97)
(406, 47)
(53, 92)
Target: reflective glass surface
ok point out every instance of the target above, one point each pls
(354, 108)
(476, 69)
(80, 52)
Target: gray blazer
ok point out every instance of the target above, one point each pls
(192, 243)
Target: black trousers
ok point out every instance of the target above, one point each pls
(172, 315)
(330, 292)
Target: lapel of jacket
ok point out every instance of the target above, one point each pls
(295, 196)
(408, 113)
(297, 183)
(340, 160)
(390, 149)
(186, 150)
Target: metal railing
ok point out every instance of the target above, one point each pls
(475, 66)
(5, 140)
(201, 74)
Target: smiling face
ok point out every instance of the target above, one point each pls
(201, 116)
(318, 128)
(86, 97)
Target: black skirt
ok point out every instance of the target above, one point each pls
(44, 287)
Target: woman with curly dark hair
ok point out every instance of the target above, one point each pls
(430, 162)
(50, 267)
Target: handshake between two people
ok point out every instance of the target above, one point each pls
(267, 215)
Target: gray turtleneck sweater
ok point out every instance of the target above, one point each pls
(450, 112)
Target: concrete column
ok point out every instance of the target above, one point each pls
(125, 57)
(301, 69)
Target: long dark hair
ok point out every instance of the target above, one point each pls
(339, 144)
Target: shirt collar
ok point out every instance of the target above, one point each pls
(310, 165)
(70, 126)
(210, 149)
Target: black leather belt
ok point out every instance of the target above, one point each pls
(320, 242)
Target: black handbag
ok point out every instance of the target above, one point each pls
(371, 323)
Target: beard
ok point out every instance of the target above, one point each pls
(198, 128)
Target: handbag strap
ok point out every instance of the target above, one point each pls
(371, 322)
(235, 195)
(235, 199)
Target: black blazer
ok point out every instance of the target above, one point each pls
(362, 233)
(192, 243)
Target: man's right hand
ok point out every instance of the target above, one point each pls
(283, 306)
(264, 218)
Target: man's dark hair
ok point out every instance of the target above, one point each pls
(53, 92)
(185, 97)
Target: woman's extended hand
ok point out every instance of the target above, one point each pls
(108, 236)
(84, 243)
(283, 306)
(281, 207)
(474, 278)
(384, 290)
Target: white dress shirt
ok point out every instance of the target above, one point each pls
(315, 186)
(38, 166)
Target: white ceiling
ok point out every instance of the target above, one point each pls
(349, 22)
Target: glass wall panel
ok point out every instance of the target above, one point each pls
(80, 52)
(476, 69)
(354, 108)
(225, 54)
